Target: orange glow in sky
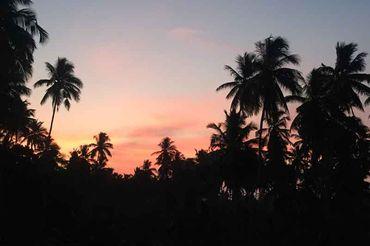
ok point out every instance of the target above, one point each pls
(150, 70)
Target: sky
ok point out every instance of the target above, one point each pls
(150, 68)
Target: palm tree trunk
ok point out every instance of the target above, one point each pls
(52, 120)
(259, 181)
(260, 134)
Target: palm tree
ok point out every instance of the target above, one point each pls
(101, 149)
(83, 151)
(242, 97)
(166, 155)
(16, 123)
(277, 138)
(146, 171)
(344, 82)
(314, 116)
(260, 78)
(63, 86)
(238, 160)
(18, 28)
(147, 168)
(233, 133)
(36, 136)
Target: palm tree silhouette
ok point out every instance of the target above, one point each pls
(259, 79)
(238, 158)
(147, 168)
(17, 122)
(344, 82)
(277, 138)
(242, 97)
(101, 149)
(63, 86)
(166, 155)
(84, 152)
(36, 136)
(145, 172)
(313, 115)
(233, 133)
(18, 28)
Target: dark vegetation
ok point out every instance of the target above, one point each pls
(266, 184)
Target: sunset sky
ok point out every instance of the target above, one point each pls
(150, 68)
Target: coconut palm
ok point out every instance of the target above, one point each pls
(17, 122)
(165, 156)
(277, 139)
(267, 76)
(345, 80)
(147, 168)
(101, 149)
(278, 174)
(36, 136)
(238, 160)
(18, 30)
(240, 93)
(83, 151)
(63, 86)
(314, 115)
(146, 171)
(233, 133)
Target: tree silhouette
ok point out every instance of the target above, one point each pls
(262, 76)
(166, 155)
(36, 135)
(146, 172)
(17, 123)
(236, 150)
(240, 93)
(233, 133)
(63, 86)
(277, 139)
(18, 28)
(344, 82)
(305, 184)
(101, 149)
(84, 151)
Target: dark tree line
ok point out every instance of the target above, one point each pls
(282, 181)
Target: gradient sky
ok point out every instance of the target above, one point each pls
(150, 68)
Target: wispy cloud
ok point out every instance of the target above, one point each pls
(197, 37)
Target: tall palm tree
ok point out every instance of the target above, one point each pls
(166, 155)
(266, 75)
(314, 117)
(101, 149)
(63, 86)
(344, 81)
